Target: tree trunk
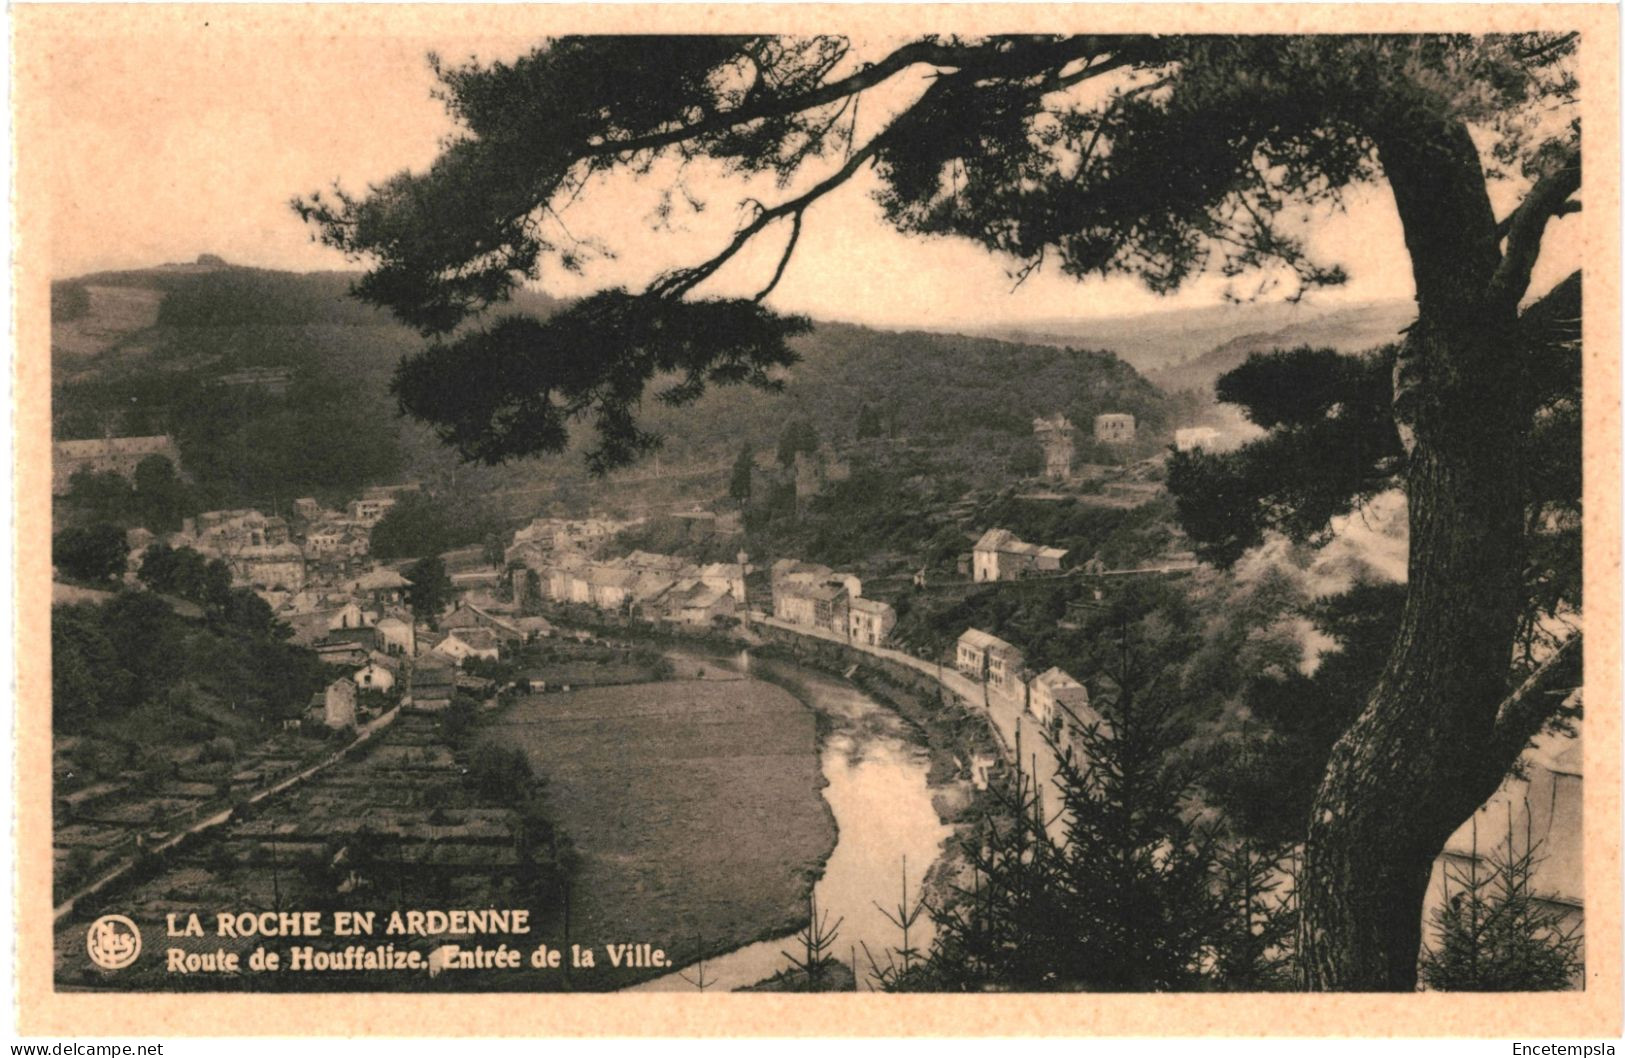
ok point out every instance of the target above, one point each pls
(1422, 757)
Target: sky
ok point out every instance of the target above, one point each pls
(171, 134)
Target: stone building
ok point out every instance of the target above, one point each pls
(1058, 438)
(338, 704)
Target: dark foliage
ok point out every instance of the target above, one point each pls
(420, 525)
(93, 553)
(1332, 444)
(798, 438)
(1263, 773)
(513, 388)
(739, 477)
(185, 573)
(135, 653)
(431, 590)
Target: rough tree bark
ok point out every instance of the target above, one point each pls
(1424, 754)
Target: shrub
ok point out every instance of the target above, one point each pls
(501, 774)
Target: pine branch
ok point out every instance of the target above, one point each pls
(1524, 228)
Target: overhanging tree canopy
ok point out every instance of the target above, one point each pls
(1156, 157)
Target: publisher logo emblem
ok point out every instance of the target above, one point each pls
(113, 942)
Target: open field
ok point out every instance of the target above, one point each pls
(694, 804)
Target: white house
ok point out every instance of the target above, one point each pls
(1053, 694)
(980, 653)
(1000, 555)
(397, 635)
(349, 615)
(869, 621)
(374, 676)
(463, 643)
(371, 509)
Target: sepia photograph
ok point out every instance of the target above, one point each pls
(888, 504)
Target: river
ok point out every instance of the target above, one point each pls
(882, 806)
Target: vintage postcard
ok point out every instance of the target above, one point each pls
(817, 520)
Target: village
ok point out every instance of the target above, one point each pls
(554, 577)
(552, 610)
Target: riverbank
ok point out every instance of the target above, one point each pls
(955, 737)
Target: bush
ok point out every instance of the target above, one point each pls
(501, 774)
(218, 749)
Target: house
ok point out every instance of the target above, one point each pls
(1057, 437)
(306, 508)
(349, 615)
(999, 555)
(324, 539)
(463, 643)
(869, 621)
(380, 673)
(648, 560)
(609, 587)
(434, 682)
(355, 542)
(534, 627)
(1114, 428)
(369, 510)
(793, 602)
(830, 604)
(693, 602)
(1197, 437)
(310, 626)
(981, 769)
(397, 635)
(820, 604)
(268, 566)
(651, 590)
(466, 615)
(725, 577)
(1053, 696)
(808, 594)
(982, 655)
(338, 704)
(344, 651)
(381, 587)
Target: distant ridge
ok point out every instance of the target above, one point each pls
(1157, 342)
(1351, 330)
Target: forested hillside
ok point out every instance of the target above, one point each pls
(155, 350)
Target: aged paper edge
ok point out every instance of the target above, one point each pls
(40, 31)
